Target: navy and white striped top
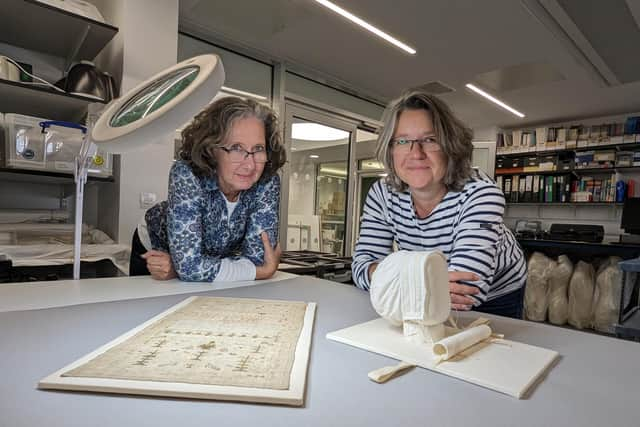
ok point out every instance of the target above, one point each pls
(467, 226)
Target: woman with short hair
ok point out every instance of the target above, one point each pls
(432, 199)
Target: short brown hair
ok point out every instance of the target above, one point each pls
(210, 128)
(452, 135)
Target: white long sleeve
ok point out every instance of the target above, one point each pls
(235, 270)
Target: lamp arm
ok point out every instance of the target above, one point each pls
(82, 163)
(81, 168)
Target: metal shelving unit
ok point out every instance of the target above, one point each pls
(36, 26)
(44, 177)
(617, 146)
(39, 101)
(576, 171)
(564, 204)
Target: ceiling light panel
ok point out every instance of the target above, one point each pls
(364, 24)
(494, 100)
(317, 132)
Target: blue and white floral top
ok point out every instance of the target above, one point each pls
(194, 227)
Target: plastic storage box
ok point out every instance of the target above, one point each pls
(24, 142)
(27, 147)
(62, 144)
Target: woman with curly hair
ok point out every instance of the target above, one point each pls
(220, 221)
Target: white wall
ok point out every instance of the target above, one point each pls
(485, 133)
(147, 41)
(110, 58)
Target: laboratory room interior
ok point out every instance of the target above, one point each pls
(411, 172)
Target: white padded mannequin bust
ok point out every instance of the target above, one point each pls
(411, 288)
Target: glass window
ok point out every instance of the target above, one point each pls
(154, 96)
(317, 187)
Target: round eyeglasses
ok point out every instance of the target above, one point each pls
(427, 144)
(237, 154)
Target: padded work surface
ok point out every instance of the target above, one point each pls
(510, 367)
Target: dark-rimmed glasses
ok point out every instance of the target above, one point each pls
(405, 145)
(237, 154)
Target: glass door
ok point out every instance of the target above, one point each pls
(317, 189)
(369, 170)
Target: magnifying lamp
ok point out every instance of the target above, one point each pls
(146, 114)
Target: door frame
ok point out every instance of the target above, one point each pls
(491, 146)
(369, 173)
(328, 118)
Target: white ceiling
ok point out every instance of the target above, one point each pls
(456, 40)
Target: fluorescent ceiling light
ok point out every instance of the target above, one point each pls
(333, 171)
(351, 17)
(243, 93)
(314, 156)
(494, 100)
(317, 132)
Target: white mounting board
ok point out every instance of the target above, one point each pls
(509, 367)
(293, 396)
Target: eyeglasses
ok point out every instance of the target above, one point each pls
(237, 154)
(404, 145)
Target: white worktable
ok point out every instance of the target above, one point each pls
(62, 293)
(595, 383)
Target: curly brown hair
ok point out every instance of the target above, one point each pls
(210, 129)
(453, 136)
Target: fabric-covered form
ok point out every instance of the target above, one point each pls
(558, 291)
(536, 294)
(411, 288)
(606, 299)
(581, 288)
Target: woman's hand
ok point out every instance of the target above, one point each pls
(159, 265)
(271, 259)
(459, 292)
